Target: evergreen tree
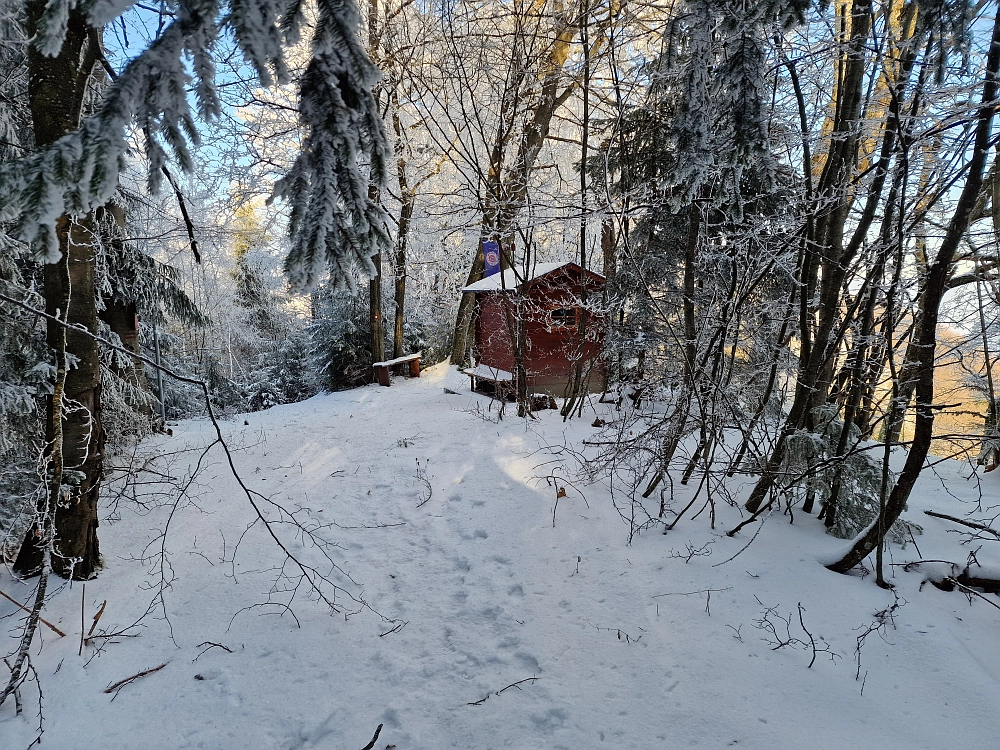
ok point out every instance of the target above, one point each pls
(53, 193)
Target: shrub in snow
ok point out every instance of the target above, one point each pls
(340, 335)
(813, 467)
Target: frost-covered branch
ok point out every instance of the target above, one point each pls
(334, 223)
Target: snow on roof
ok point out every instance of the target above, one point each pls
(491, 373)
(508, 279)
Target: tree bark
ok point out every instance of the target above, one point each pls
(690, 267)
(375, 312)
(56, 87)
(69, 284)
(409, 198)
(375, 316)
(576, 381)
(123, 319)
(460, 343)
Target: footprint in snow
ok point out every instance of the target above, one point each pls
(529, 661)
(551, 719)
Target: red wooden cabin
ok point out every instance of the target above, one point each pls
(551, 308)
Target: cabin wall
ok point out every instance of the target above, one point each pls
(551, 348)
(493, 345)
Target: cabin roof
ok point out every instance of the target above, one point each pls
(508, 279)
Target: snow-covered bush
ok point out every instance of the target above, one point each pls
(813, 467)
(340, 336)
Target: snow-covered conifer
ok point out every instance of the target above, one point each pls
(334, 223)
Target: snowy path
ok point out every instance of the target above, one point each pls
(491, 595)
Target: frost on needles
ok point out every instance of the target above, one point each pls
(334, 223)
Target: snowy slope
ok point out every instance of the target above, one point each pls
(480, 591)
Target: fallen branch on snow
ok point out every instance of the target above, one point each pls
(127, 680)
(517, 684)
(370, 745)
(963, 522)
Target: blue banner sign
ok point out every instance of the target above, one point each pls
(491, 254)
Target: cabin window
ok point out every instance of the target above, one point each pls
(563, 317)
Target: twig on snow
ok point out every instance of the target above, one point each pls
(703, 551)
(122, 683)
(517, 684)
(744, 547)
(812, 641)
(97, 619)
(971, 592)
(399, 626)
(370, 745)
(421, 477)
(970, 524)
(210, 645)
(628, 639)
(691, 593)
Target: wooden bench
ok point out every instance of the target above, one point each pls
(503, 381)
(382, 368)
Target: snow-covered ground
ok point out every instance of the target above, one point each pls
(475, 590)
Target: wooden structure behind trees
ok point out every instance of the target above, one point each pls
(547, 318)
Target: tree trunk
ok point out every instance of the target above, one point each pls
(376, 320)
(926, 334)
(690, 268)
(609, 250)
(402, 236)
(56, 88)
(507, 189)
(375, 312)
(460, 342)
(577, 385)
(69, 284)
(123, 319)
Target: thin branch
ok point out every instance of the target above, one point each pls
(972, 592)
(970, 524)
(370, 745)
(188, 224)
(42, 620)
(127, 680)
